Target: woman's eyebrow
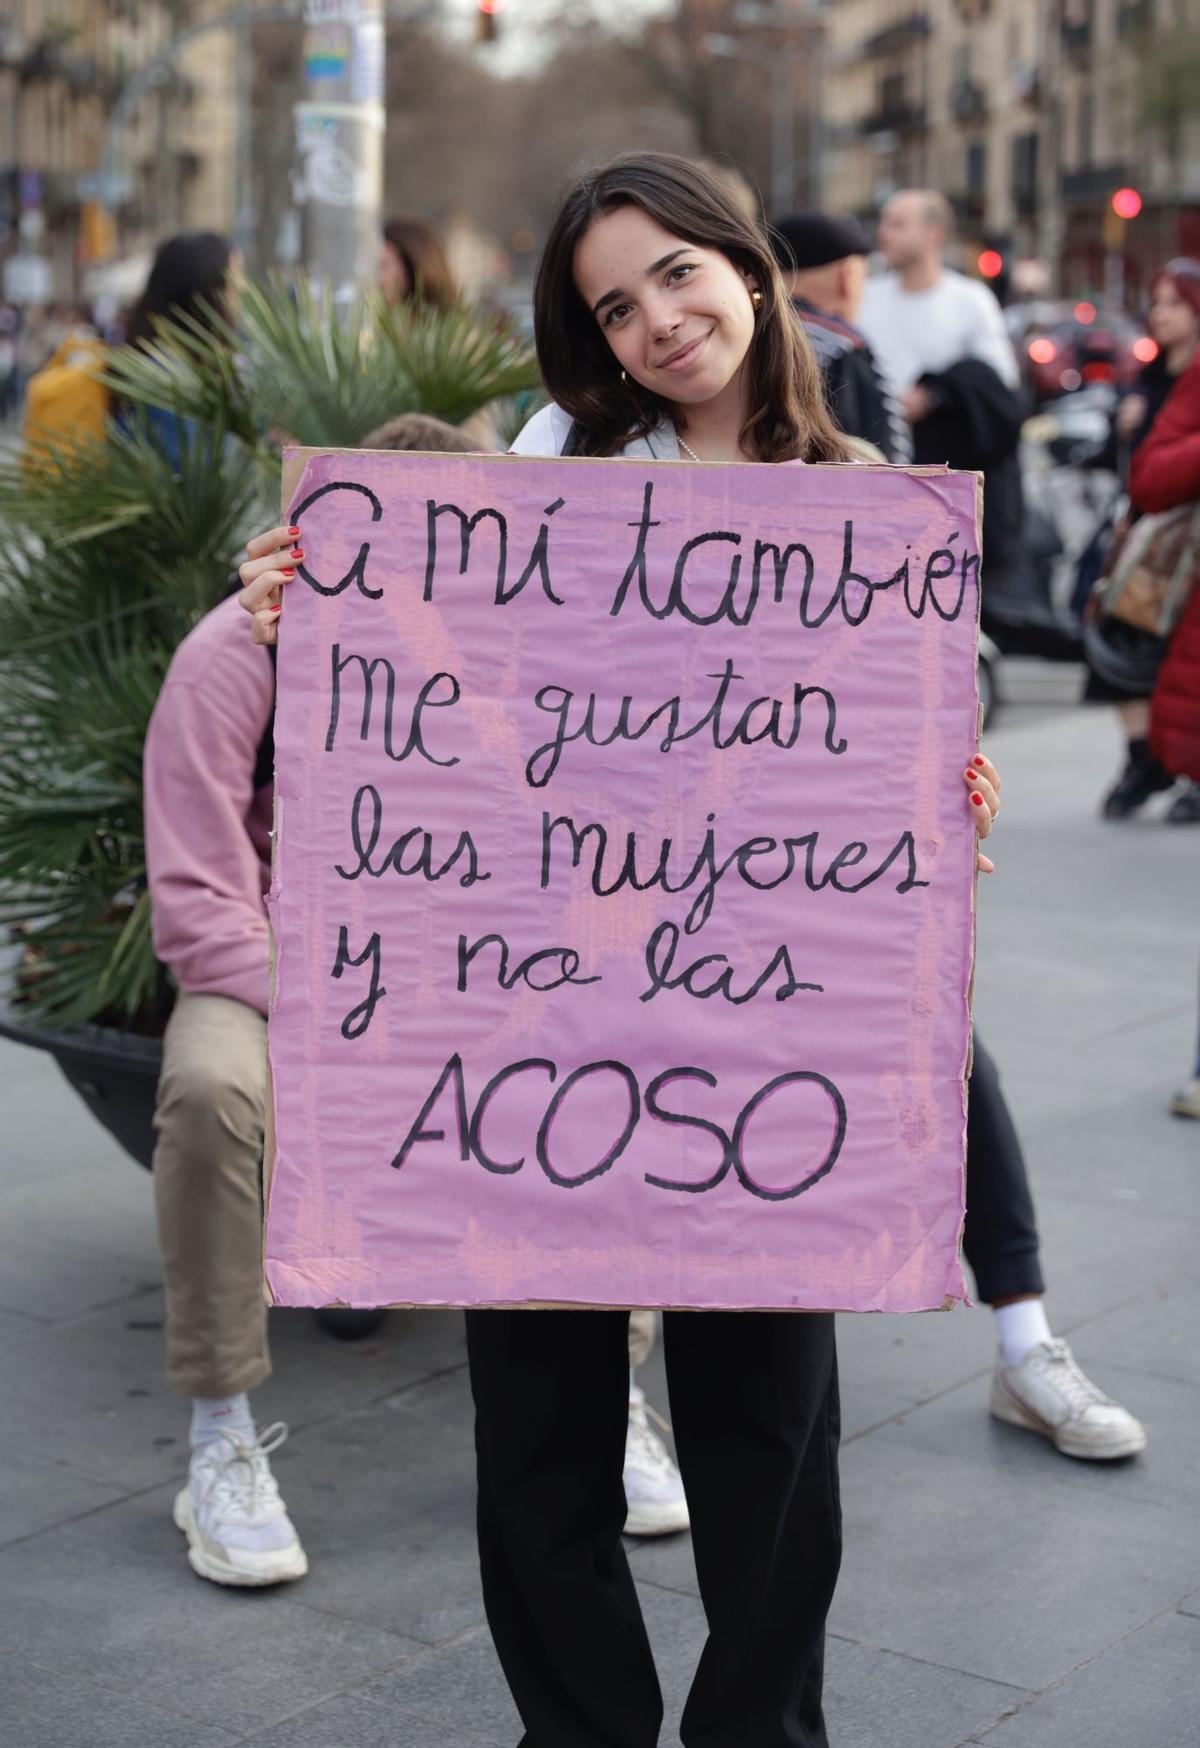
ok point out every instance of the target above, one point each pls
(655, 267)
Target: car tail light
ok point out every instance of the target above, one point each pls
(1043, 351)
(1099, 373)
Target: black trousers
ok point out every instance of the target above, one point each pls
(1000, 1240)
(754, 1406)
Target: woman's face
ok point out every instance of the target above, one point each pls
(1172, 321)
(678, 317)
(393, 274)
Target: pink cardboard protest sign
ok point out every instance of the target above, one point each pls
(623, 895)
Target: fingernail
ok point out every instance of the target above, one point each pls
(287, 572)
(970, 775)
(978, 800)
(275, 611)
(978, 760)
(293, 534)
(297, 552)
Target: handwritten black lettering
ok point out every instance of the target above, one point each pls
(566, 957)
(360, 1017)
(641, 866)
(663, 946)
(368, 808)
(577, 719)
(358, 570)
(466, 530)
(414, 742)
(538, 565)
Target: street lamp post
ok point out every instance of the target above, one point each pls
(338, 183)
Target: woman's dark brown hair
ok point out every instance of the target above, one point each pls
(187, 278)
(788, 419)
(430, 280)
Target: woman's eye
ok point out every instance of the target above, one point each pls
(616, 314)
(680, 272)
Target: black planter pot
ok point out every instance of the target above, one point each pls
(116, 1074)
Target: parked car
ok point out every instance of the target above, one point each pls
(1080, 345)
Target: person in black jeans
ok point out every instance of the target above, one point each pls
(661, 323)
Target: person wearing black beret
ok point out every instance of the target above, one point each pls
(824, 262)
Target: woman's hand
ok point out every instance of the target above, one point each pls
(271, 562)
(1131, 414)
(983, 782)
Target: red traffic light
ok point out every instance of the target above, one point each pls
(1127, 203)
(991, 263)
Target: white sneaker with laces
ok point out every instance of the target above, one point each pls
(237, 1526)
(1186, 1102)
(654, 1495)
(1048, 1393)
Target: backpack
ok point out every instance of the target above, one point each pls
(65, 402)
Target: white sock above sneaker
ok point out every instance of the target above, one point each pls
(217, 1416)
(1020, 1327)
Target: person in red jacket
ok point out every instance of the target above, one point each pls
(1165, 474)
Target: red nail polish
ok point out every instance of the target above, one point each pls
(970, 775)
(287, 572)
(275, 611)
(977, 761)
(293, 534)
(297, 553)
(978, 800)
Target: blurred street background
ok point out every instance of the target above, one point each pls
(995, 1592)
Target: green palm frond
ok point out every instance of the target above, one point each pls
(112, 550)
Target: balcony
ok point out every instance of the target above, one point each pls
(968, 101)
(1095, 183)
(1135, 18)
(903, 34)
(896, 117)
(1077, 26)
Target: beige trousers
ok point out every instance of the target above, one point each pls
(208, 1197)
(208, 1194)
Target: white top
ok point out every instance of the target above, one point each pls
(548, 430)
(912, 332)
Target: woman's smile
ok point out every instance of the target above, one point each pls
(685, 356)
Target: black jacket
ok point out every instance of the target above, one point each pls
(858, 395)
(976, 425)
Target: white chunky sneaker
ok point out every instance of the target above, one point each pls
(654, 1496)
(1048, 1393)
(237, 1526)
(1186, 1102)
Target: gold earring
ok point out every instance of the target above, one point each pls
(756, 298)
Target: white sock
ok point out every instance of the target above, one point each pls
(1020, 1327)
(214, 1415)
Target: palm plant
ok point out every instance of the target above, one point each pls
(110, 552)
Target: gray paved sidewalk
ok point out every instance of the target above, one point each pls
(993, 1592)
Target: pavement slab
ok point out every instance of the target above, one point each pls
(41, 1706)
(1139, 1692)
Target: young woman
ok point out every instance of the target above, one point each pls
(413, 266)
(190, 277)
(1174, 322)
(663, 330)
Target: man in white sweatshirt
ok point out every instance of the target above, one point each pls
(922, 316)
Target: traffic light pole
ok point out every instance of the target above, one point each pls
(338, 183)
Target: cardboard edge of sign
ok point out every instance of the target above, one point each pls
(295, 460)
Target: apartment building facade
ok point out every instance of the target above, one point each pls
(1027, 115)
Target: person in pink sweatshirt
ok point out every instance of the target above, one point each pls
(208, 809)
